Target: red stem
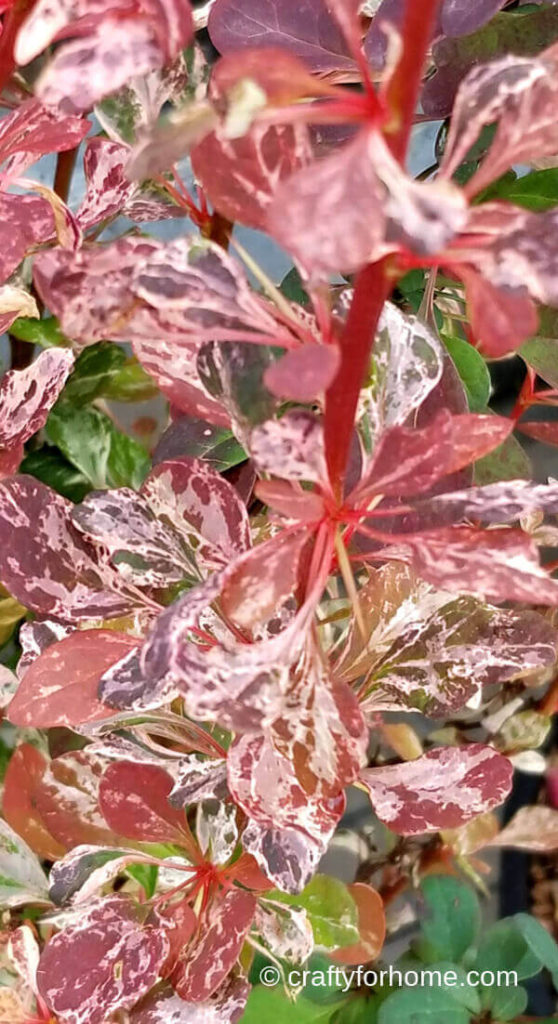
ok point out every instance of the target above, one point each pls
(373, 287)
(404, 88)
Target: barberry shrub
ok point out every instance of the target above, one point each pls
(309, 566)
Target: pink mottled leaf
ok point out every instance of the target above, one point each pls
(32, 130)
(203, 507)
(502, 565)
(163, 1006)
(240, 176)
(104, 962)
(26, 221)
(531, 828)
(200, 972)
(291, 447)
(115, 50)
(504, 502)
(238, 684)
(86, 870)
(197, 780)
(263, 579)
(26, 396)
(408, 364)
(357, 205)
(43, 561)
(143, 548)
(35, 637)
(90, 290)
(307, 30)
(443, 789)
(409, 460)
(290, 829)
(303, 374)
(519, 93)
(60, 687)
(173, 367)
(110, 191)
(134, 801)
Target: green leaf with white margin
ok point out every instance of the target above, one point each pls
(472, 371)
(422, 1006)
(331, 910)
(540, 942)
(21, 877)
(453, 918)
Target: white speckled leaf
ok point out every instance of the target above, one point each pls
(21, 877)
(27, 396)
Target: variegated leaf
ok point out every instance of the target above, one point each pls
(164, 1006)
(133, 799)
(21, 877)
(442, 789)
(201, 970)
(291, 447)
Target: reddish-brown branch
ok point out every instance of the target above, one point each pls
(373, 287)
(404, 89)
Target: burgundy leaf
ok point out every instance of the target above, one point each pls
(408, 461)
(25, 770)
(163, 1006)
(142, 547)
(104, 962)
(27, 396)
(502, 565)
(200, 972)
(201, 506)
(43, 561)
(462, 17)
(60, 687)
(307, 30)
(443, 789)
(303, 374)
(240, 176)
(501, 318)
(541, 431)
(134, 801)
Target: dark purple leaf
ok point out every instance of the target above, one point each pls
(307, 30)
(443, 789)
(461, 17)
(104, 962)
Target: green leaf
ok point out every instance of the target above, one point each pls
(331, 911)
(505, 1001)
(472, 370)
(504, 948)
(45, 333)
(462, 991)
(130, 384)
(453, 916)
(540, 942)
(92, 371)
(199, 439)
(293, 289)
(146, 875)
(542, 355)
(536, 191)
(21, 877)
(271, 1004)
(234, 372)
(91, 442)
(358, 1011)
(411, 287)
(508, 462)
(121, 113)
(49, 465)
(422, 1006)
